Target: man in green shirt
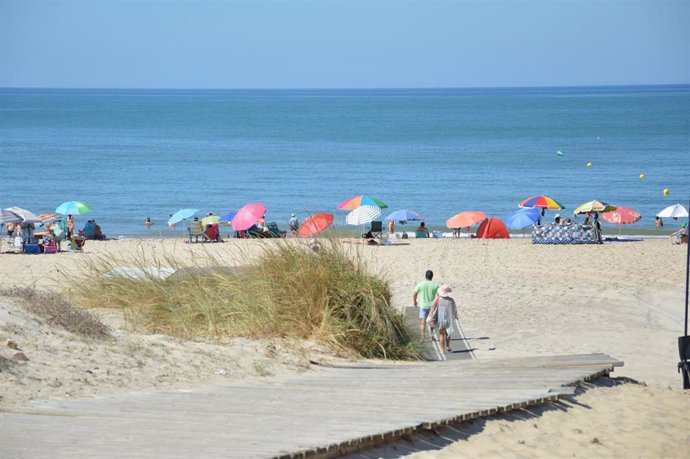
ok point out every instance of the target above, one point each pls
(423, 297)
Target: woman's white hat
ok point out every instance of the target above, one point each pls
(444, 291)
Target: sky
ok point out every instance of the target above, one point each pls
(342, 44)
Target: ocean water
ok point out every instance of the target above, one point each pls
(133, 154)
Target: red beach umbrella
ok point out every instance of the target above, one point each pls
(315, 224)
(622, 216)
(248, 216)
(465, 219)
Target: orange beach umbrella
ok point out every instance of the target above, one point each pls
(465, 219)
(315, 224)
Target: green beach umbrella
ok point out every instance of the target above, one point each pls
(73, 208)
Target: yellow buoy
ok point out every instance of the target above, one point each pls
(666, 192)
(642, 176)
(589, 164)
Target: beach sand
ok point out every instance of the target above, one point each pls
(514, 299)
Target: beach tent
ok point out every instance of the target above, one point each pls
(492, 228)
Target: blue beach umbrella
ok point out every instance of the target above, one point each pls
(227, 218)
(182, 214)
(405, 216)
(73, 208)
(523, 218)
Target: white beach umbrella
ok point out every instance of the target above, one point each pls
(674, 211)
(363, 215)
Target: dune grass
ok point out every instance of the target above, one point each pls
(288, 291)
(56, 310)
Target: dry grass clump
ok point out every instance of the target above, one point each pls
(56, 310)
(5, 364)
(289, 291)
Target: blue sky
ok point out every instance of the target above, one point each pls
(342, 44)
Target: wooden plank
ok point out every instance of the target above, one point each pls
(321, 413)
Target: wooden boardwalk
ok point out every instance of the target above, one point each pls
(323, 413)
(461, 349)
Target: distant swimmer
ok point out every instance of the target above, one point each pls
(148, 222)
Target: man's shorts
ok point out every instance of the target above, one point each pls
(424, 313)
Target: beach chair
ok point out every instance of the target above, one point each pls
(421, 235)
(377, 229)
(51, 246)
(90, 230)
(196, 231)
(275, 231)
(76, 244)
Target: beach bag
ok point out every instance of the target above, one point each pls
(432, 318)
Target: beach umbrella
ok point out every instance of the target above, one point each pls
(315, 224)
(674, 211)
(182, 214)
(523, 218)
(247, 216)
(465, 219)
(363, 215)
(21, 215)
(73, 208)
(211, 219)
(47, 218)
(542, 202)
(594, 206)
(361, 200)
(227, 218)
(622, 216)
(404, 216)
(6, 216)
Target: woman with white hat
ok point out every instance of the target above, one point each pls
(447, 313)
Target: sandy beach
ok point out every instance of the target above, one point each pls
(514, 299)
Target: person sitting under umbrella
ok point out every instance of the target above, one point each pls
(422, 227)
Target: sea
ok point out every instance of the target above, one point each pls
(133, 154)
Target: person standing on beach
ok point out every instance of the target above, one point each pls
(447, 312)
(423, 298)
(293, 224)
(70, 226)
(391, 227)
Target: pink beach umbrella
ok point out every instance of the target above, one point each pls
(622, 216)
(248, 216)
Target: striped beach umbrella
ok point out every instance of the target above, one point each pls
(542, 202)
(21, 215)
(363, 215)
(47, 218)
(73, 208)
(594, 206)
(361, 200)
(622, 216)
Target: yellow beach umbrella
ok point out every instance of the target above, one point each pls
(211, 219)
(594, 206)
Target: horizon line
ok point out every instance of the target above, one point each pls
(410, 88)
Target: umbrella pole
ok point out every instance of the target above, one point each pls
(684, 341)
